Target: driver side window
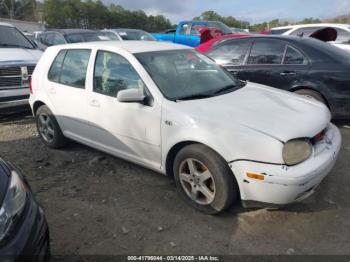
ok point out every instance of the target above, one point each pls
(114, 73)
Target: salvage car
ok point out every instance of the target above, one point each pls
(171, 109)
(24, 234)
(124, 34)
(306, 66)
(343, 32)
(18, 57)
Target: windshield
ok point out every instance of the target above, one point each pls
(136, 35)
(221, 26)
(186, 74)
(87, 37)
(12, 37)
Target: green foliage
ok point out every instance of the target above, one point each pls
(229, 20)
(95, 15)
(20, 9)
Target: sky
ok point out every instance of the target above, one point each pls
(253, 11)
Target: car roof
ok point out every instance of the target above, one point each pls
(125, 29)
(280, 37)
(129, 46)
(313, 25)
(6, 24)
(70, 31)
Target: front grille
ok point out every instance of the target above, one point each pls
(10, 71)
(10, 81)
(11, 76)
(30, 69)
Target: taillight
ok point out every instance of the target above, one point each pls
(30, 86)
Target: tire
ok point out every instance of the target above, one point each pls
(222, 185)
(48, 128)
(311, 94)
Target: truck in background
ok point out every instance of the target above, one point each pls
(18, 58)
(187, 33)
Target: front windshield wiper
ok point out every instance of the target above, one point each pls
(20, 46)
(225, 88)
(194, 96)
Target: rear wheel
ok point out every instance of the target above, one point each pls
(311, 94)
(48, 128)
(204, 180)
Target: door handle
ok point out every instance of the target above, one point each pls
(52, 91)
(94, 103)
(288, 74)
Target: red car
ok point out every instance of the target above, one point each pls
(206, 46)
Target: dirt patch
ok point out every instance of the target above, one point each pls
(99, 204)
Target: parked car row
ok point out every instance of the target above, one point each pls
(203, 117)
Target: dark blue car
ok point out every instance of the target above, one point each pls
(24, 234)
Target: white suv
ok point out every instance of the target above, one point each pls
(343, 31)
(171, 109)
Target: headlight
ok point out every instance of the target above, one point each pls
(13, 204)
(296, 151)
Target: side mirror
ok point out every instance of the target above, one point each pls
(131, 96)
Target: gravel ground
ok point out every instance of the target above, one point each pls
(98, 204)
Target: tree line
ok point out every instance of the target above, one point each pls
(93, 14)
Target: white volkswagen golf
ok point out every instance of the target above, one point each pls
(171, 109)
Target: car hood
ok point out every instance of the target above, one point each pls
(19, 55)
(279, 114)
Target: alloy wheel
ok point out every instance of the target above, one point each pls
(197, 181)
(45, 127)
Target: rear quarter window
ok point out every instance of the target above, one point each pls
(70, 67)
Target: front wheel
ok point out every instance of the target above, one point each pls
(204, 180)
(48, 128)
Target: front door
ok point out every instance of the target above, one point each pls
(129, 130)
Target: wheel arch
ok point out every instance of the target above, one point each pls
(172, 152)
(308, 87)
(36, 106)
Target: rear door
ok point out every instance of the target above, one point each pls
(275, 63)
(67, 92)
(231, 54)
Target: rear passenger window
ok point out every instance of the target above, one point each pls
(232, 53)
(114, 73)
(266, 52)
(72, 71)
(294, 57)
(55, 70)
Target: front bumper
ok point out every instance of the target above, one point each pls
(13, 98)
(287, 184)
(30, 241)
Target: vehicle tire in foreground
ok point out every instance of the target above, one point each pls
(311, 94)
(204, 179)
(48, 128)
